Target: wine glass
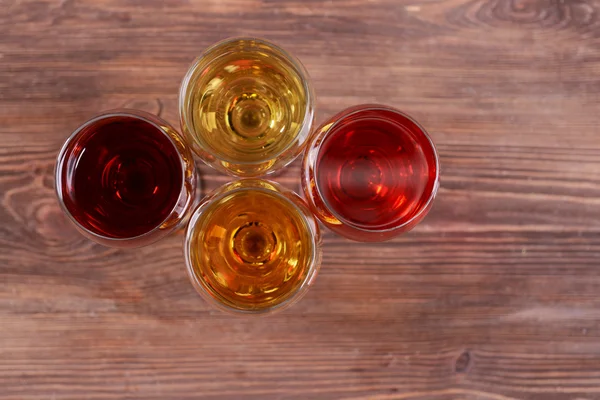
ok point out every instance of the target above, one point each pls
(370, 173)
(252, 247)
(247, 107)
(125, 178)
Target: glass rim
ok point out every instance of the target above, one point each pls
(60, 159)
(375, 107)
(222, 192)
(294, 61)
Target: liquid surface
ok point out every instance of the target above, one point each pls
(247, 106)
(121, 177)
(375, 172)
(251, 249)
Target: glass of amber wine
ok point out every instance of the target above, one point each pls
(125, 178)
(370, 173)
(252, 247)
(246, 106)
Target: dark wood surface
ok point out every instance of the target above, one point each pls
(495, 296)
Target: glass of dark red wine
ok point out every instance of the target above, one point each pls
(370, 173)
(125, 178)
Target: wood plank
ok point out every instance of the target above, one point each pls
(494, 296)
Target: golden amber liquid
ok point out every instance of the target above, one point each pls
(251, 249)
(247, 105)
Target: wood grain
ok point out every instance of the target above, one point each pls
(495, 296)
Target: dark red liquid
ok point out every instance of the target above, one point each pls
(121, 177)
(376, 169)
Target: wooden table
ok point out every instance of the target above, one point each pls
(495, 296)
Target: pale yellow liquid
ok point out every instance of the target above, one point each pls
(247, 106)
(251, 249)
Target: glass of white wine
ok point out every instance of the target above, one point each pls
(247, 107)
(252, 247)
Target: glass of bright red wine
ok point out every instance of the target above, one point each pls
(370, 173)
(125, 178)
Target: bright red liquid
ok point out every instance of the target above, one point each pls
(376, 169)
(121, 177)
